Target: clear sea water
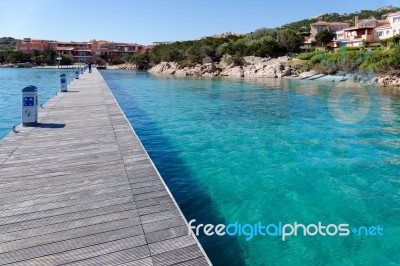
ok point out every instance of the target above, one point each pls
(13, 80)
(264, 151)
(269, 152)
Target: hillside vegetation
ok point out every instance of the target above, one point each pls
(381, 60)
(7, 43)
(262, 42)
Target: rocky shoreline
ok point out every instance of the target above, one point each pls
(258, 67)
(126, 66)
(252, 67)
(389, 81)
(18, 65)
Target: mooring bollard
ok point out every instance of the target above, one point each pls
(81, 70)
(63, 81)
(77, 73)
(29, 106)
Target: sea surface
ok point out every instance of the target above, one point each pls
(263, 151)
(273, 151)
(13, 80)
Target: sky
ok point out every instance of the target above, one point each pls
(145, 22)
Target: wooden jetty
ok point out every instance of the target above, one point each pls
(80, 189)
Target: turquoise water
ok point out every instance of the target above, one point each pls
(260, 151)
(13, 80)
(269, 152)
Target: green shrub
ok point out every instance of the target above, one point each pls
(306, 55)
(317, 58)
(351, 48)
(322, 68)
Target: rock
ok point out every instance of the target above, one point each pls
(388, 80)
(307, 74)
(207, 75)
(233, 72)
(266, 72)
(217, 73)
(126, 66)
(265, 67)
(253, 67)
(169, 71)
(255, 60)
(181, 72)
(165, 67)
(286, 72)
(208, 68)
(226, 61)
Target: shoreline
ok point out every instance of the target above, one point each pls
(253, 68)
(265, 68)
(32, 65)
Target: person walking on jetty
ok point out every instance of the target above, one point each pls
(90, 67)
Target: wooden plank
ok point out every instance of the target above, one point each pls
(80, 189)
(177, 256)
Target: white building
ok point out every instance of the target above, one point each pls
(388, 31)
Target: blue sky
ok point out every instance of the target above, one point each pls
(158, 20)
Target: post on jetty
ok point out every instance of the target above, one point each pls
(79, 188)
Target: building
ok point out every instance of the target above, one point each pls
(322, 25)
(161, 43)
(27, 45)
(106, 49)
(307, 42)
(363, 31)
(227, 34)
(81, 52)
(390, 29)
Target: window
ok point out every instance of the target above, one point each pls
(394, 32)
(320, 28)
(387, 32)
(396, 20)
(380, 33)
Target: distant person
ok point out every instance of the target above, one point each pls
(90, 67)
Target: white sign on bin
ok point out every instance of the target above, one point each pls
(63, 81)
(29, 106)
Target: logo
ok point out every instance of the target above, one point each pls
(349, 101)
(282, 230)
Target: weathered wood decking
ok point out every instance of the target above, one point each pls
(80, 189)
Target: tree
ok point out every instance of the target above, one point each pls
(194, 55)
(65, 60)
(290, 40)
(49, 56)
(141, 60)
(324, 37)
(15, 57)
(267, 47)
(7, 43)
(262, 32)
